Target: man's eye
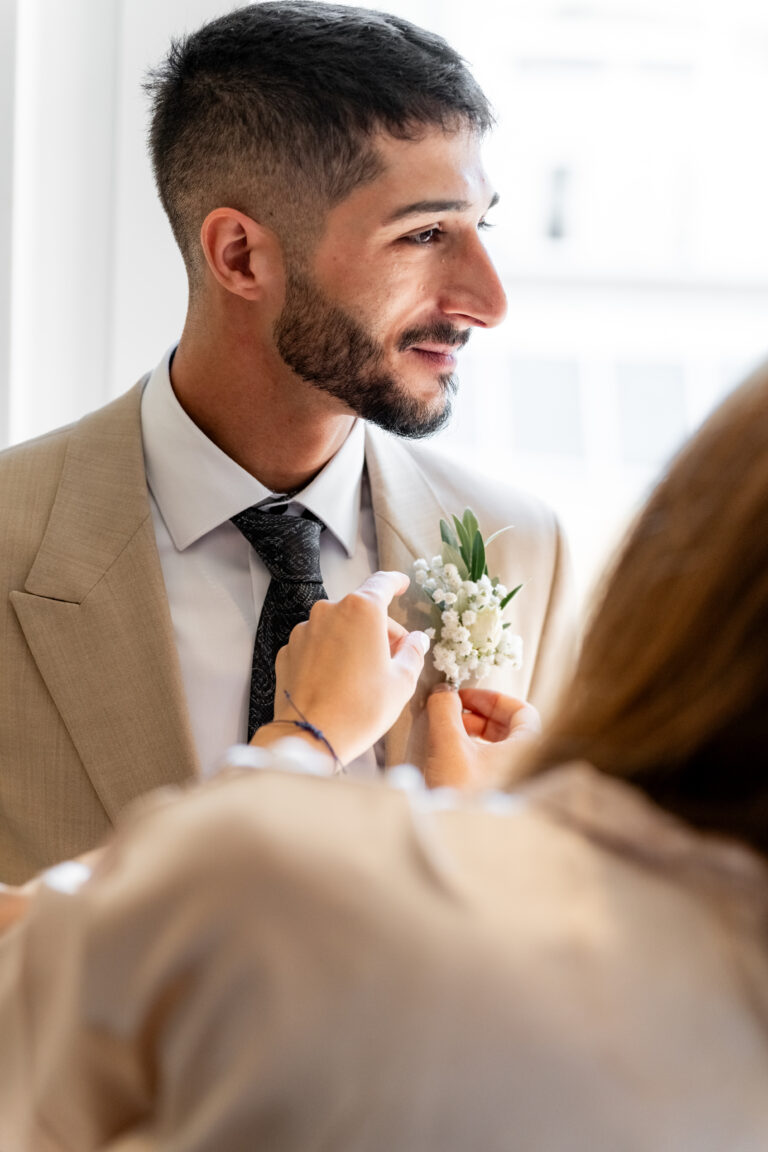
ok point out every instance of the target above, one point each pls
(484, 225)
(428, 236)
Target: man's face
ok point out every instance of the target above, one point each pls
(378, 311)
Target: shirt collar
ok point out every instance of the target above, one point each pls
(197, 487)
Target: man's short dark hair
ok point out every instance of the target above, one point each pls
(271, 109)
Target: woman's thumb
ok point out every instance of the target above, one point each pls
(446, 729)
(409, 655)
(448, 749)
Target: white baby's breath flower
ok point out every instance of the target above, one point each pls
(445, 662)
(512, 649)
(452, 577)
(469, 632)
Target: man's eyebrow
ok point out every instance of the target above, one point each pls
(427, 207)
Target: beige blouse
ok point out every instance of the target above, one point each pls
(286, 962)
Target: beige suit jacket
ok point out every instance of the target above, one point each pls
(92, 710)
(282, 964)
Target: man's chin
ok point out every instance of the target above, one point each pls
(411, 418)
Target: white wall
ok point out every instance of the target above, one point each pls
(148, 285)
(7, 106)
(97, 284)
(63, 211)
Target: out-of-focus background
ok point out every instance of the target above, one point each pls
(631, 235)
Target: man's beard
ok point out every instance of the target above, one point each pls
(324, 346)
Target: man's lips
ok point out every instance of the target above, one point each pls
(441, 355)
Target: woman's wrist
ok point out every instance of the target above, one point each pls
(282, 728)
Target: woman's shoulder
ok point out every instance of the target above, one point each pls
(620, 820)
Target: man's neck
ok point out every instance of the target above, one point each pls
(275, 426)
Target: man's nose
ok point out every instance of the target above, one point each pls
(473, 290)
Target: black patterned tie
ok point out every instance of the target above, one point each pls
(290, 549)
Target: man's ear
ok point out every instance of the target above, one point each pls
(245, 257)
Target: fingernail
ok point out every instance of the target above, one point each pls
(443, 688)
(424, 641)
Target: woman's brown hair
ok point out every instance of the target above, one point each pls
(671, 687)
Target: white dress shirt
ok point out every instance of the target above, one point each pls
(215, 581)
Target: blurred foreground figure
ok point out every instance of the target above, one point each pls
(285, 963)
(280, 962)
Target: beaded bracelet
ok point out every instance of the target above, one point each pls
(304, 724)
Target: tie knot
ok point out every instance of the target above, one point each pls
(289, 546)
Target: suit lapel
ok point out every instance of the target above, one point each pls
(95, 615)
(407, 517)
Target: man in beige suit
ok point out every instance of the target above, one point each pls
(320, 167)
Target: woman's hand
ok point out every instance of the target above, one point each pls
(457, 757)
(349, 669)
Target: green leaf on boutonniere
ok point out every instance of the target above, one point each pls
(464, 541)
(448, 536)
(477, 567)
(453, 556)
(509, 596)
(470, 523)
(452, 552)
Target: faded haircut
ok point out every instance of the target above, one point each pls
(271, 110)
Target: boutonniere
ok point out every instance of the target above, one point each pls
(467, 604)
